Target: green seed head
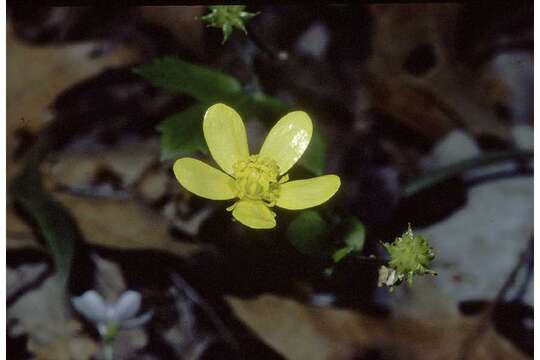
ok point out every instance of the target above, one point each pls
(410, 255)
(227, 17)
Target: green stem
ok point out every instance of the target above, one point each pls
(436, 176)
(370, 260)
(108, 352)
(263, 46)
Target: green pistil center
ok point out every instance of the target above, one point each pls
(257, 179)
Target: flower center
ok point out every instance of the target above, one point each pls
(257, 179)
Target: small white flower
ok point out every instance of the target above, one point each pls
(388, 277)
(110, 317)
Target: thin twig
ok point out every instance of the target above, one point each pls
(108, 351)
(370, 260)
(505, 174)
(441, 174)
(470, 342)
(529, 272)
(193, 295)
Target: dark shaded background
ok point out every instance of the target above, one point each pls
(386, 84)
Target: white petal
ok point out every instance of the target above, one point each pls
(127, 305)
(91, 305)
(138, 321)
(111, 313)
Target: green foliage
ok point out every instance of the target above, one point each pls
(268, 108)
(341, 253)
(356, 236)
(354, 240)
(309, 233)
(314, 158)
(111, 331)
(410, 255)
(52, 219)
(228, 17)
(181, 77)
(181, 133)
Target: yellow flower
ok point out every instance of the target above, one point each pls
(258, 181)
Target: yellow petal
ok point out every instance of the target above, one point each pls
(254, 214)
(303, 194)
(288, 139)
(225, 135)
(204, 180)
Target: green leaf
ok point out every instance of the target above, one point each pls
(181, 133)
(314, 159)
(242, 102)
(309, 234)
(53, 220)
(341, 253)
(178, 76)
(268, 108)
(354, 239)
(356, 236)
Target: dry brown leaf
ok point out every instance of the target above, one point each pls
(22, 276)
(414, 106)
(37, 74)
(300, 331)
(120, 224)
(80, 347)
(77, 169)
(43, 314)
(180, 20)
(123, 224)
(445, 96)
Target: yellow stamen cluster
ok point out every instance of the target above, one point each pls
(257, 179)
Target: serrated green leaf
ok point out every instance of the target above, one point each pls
(309, 234)
(55, 223)
(181, 133)
(178, 76)
(356, 236)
